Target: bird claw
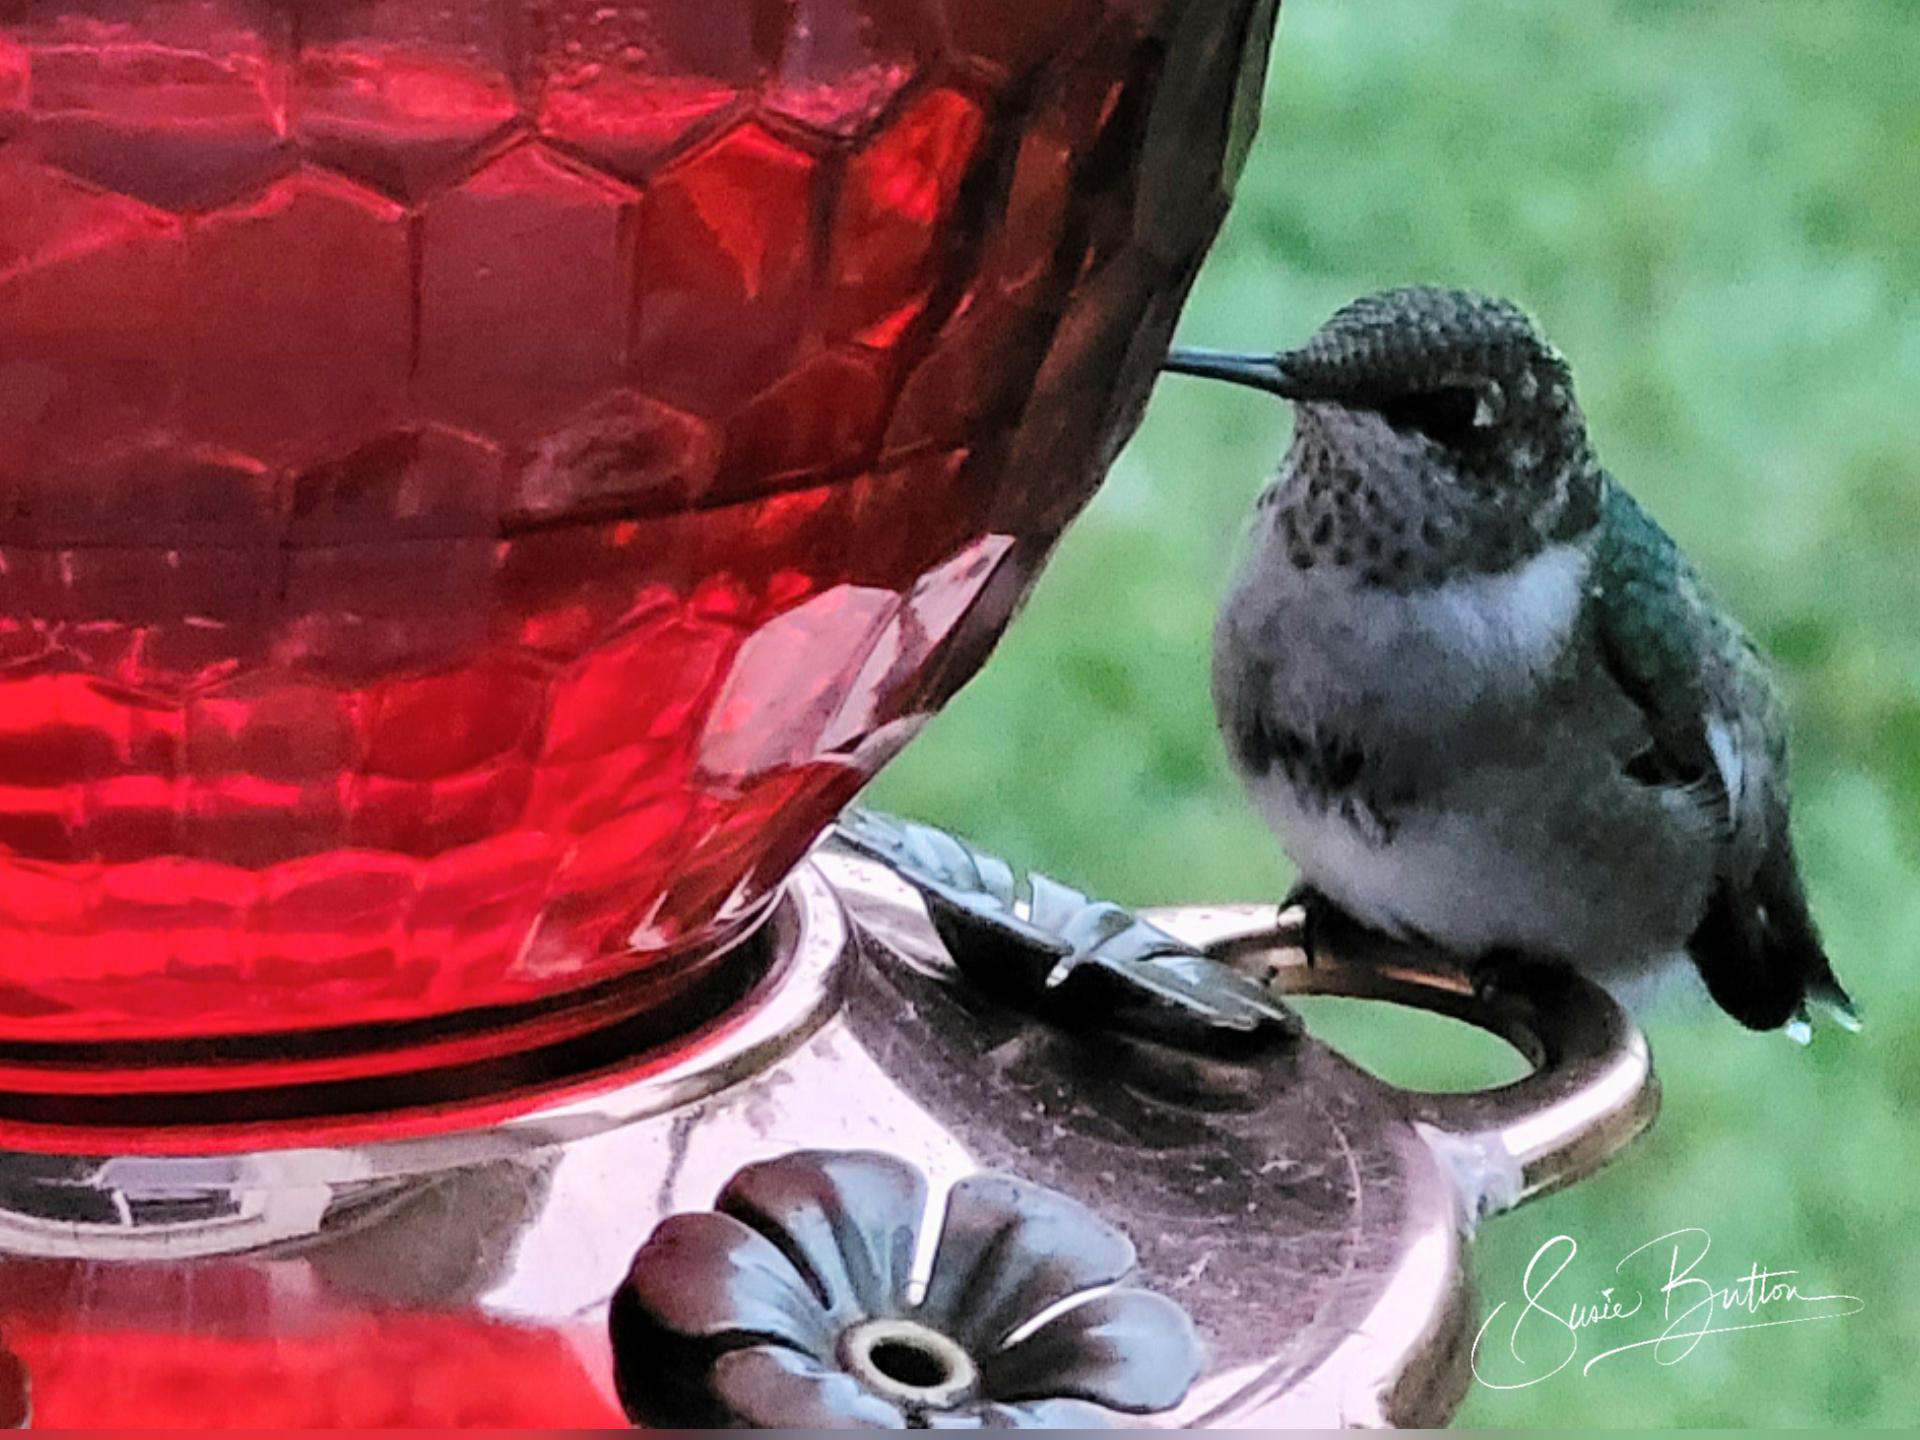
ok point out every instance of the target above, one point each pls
(1484, 977)
(1487, 974)
(1312, 906)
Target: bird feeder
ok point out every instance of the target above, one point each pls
(482, 486)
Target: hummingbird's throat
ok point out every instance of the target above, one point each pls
(1394, 510)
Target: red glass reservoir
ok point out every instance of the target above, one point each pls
(482, 483)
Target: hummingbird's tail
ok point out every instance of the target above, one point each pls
(1761, 956)
(1826, 991)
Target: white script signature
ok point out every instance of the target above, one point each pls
(1659, 1298)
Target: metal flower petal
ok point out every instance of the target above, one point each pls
(768, 1388)
(849, 1220)
(1040, 1415)
(702, 1284)
(1008, 1251)
(1130, 1350)
(704, 1275)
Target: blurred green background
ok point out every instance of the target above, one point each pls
(1714, 210)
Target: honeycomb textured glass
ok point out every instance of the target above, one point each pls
(482, 483)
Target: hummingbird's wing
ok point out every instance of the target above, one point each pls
(1712, 719)
(1715, 727)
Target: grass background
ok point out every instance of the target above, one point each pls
(1714, 210)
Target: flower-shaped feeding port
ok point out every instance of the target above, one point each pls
(792, 1303)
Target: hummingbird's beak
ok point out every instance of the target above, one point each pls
(1258, 372)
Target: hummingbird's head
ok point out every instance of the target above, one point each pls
(1443, 407)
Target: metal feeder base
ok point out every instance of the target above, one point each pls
(1306, 1219)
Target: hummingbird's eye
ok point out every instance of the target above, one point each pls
(1450, 415)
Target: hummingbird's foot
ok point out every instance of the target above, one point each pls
(1491, 971)
(1314, 909)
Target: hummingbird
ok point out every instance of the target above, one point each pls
(1481, 697)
